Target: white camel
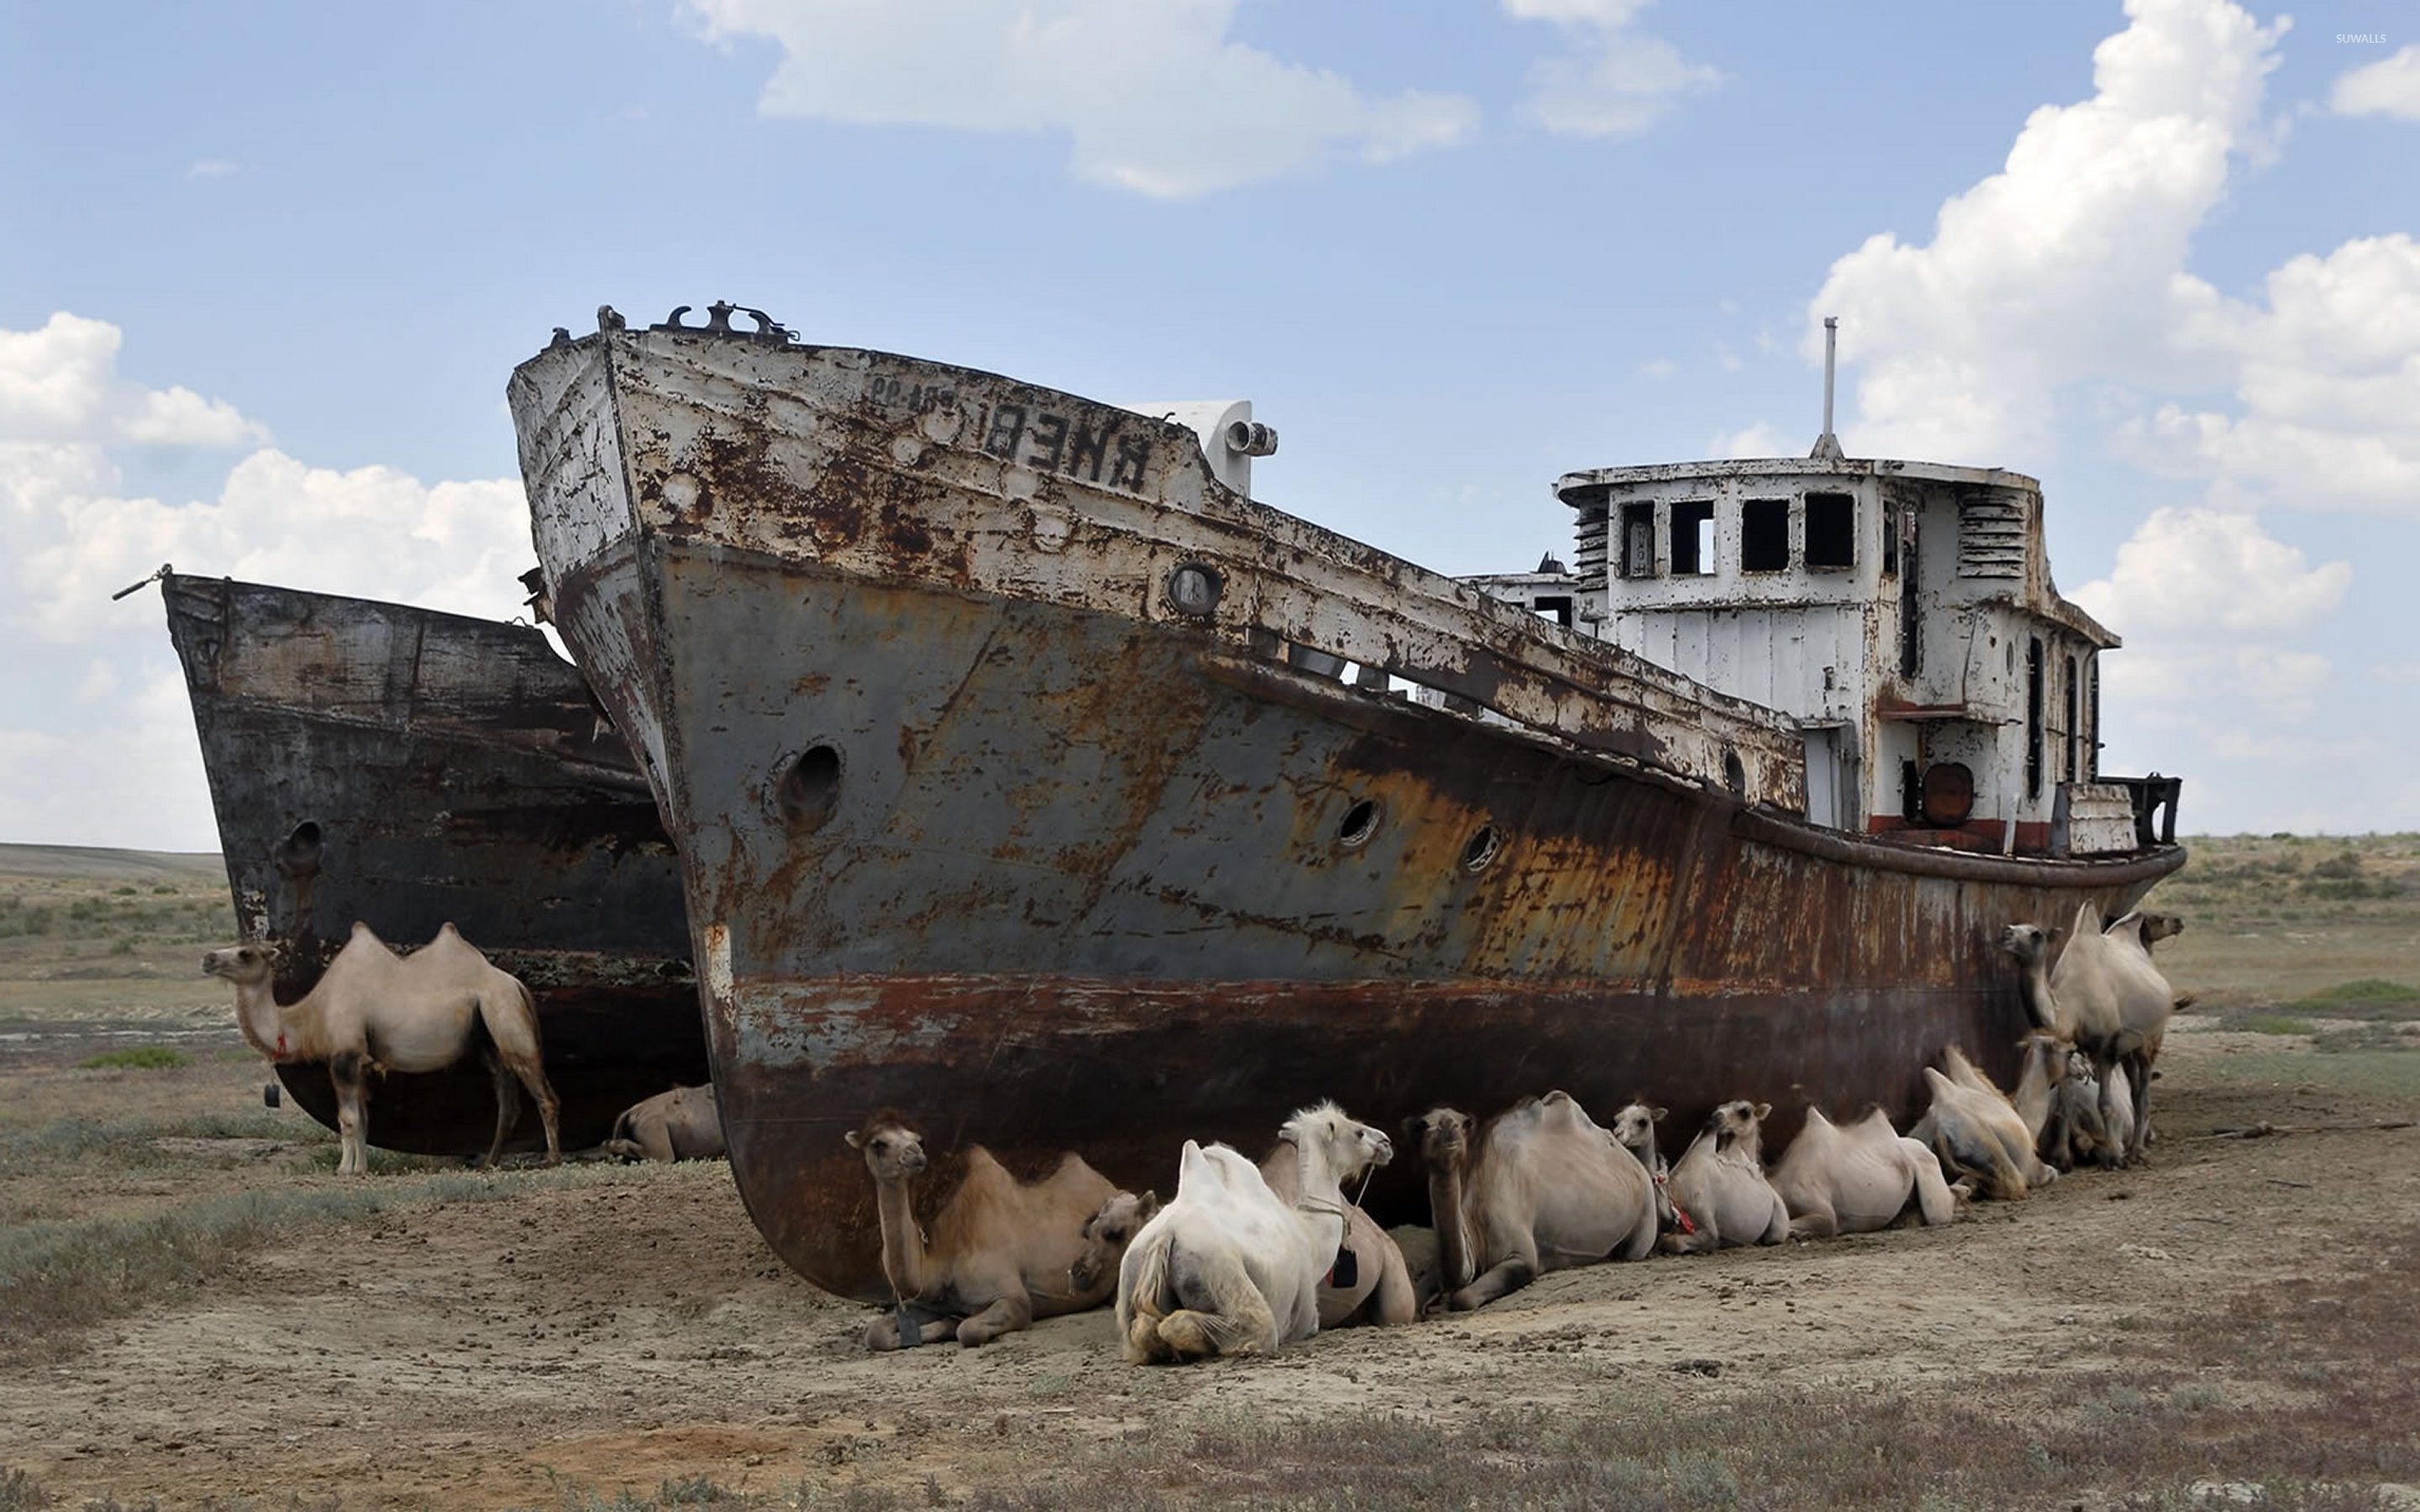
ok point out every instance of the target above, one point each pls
(1229, 1267)
(1975, 1131)
(2103, 993)
(374, 1010)
(1634, 1130)
(1719, 1181)
(1856, 1178)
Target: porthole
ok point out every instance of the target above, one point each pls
(1734, 772)
(1360, 822)
(808, 788)
(1482, 849)
(1194, 589)
(298, 854)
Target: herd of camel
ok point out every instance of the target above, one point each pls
(1247, 1257)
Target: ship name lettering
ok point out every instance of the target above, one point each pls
(915, 398)
(1074, 448)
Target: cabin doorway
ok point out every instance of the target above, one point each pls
(1832, 778)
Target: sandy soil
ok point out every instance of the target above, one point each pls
(624, 1330)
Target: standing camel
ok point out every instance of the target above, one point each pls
(1542, 1187)
(376, 1010)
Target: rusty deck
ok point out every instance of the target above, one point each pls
(402, 767)
(1035, 784)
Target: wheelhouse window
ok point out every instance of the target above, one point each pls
(1692, 547)
(2034, 717)
(1832, 531)
(2067, 707)
(1639, 540)
(1764, 535)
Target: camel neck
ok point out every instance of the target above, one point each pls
(903, 1243)
(1454, 1269)
(263, 1023)
(2036, 987)
(2033, 1095)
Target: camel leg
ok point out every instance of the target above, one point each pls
(532, 1076)
(1250, 1329)
(2139, 1071)
(1013, 1312)
(351, 1078)
(1934, 1199)
(1393, 1302)
(507, 1106)
(1500, 1281)
(1642, 1237)
(1823, 1223)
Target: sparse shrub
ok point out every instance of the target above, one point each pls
(19, 1489)
(123, 892)
(2276, 1024)
(137, 1058)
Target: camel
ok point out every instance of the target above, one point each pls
(1719, 1182)
(681, 1124)
(2103, 993)
(1001, 1254)
(1542, 1187)
(374, 1010)
(2120, 1114)
(1107, 1233)
(1974, 1130)
(1857, 1177)
(1370, 1281)
(1634, 1130)
(1229, 1267)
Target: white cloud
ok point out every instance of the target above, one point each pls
(81, 761)
(212, 168)
(2059, 266)
(60, 384)
(2197, 571)
(1153, 94)
(1762, 439)
(1610, 80)
(2390, 86)
(2396, 671)
(1658, 368)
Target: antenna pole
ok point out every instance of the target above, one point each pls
(1828, 445)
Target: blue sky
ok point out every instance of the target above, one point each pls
(265, 268)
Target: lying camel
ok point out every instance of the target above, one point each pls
(1974, 1130)
(1106, 1234)
(1001, 1252)
(1229, 1267)
(1858, 1177)
(376, 1010)
(681, 1125)
(1370, 1283)
(1719, 1182)
(1634, 1130)
(1542, 1187)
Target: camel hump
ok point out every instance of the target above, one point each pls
(1193, 1165)
(2089, 919)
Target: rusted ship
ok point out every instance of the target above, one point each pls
(1035, 779)
(403, 767)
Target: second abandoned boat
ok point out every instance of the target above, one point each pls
(407, 768)
(1035, 780)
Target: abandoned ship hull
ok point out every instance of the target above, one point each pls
(993, 817)
(405, 768)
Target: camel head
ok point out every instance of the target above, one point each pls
(1349, 1146)
(246, 965)
(2029, 943)
(1634, 1128)
(892, 1150)
(1737, 1121)
(1443, 1136)
(1107, 1234)
(2158, 927)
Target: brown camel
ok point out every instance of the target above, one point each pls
(681, 1124)
(1107, 1233)
(376, 1010)
(1001, 1252)
(1542, 1187)
(1380, 1289)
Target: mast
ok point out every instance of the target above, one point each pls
(1827, 446)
